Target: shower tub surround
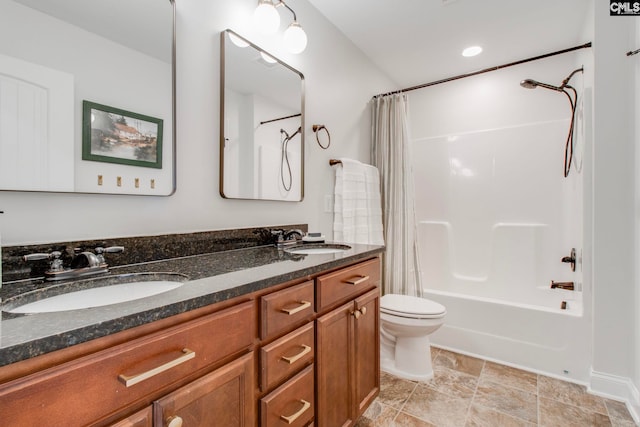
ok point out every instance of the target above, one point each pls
(220, 265)
(496, 217)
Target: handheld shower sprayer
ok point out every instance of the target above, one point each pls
(284, 157)
(532, 84)
(289, 137)
(573, 100)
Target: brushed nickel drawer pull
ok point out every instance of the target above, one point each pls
(293, 359)
(302, 306)
(360, 279)
(129, 380)
(291, 418)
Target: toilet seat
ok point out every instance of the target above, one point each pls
(411, 307)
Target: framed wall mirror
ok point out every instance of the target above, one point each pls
(87, 96)
(261, 124)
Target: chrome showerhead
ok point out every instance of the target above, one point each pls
(532, 84)
(529, 84)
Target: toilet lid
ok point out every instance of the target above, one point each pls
(409, 305)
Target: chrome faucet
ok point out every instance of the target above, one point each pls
(295, 234)
(287, 238)
(84, 263)
(100, 251)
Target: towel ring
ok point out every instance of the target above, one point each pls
(316, 129)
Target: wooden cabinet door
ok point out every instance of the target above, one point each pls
(367, 349)
(222, 398)
(334, 357)
(142, 418)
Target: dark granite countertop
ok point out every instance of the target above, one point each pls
(213, 277)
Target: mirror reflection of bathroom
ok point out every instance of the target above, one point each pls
(262, 124)
(77, 55)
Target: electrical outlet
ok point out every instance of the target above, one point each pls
(328, 203)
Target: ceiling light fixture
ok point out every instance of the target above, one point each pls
(267, 19)
(471, 51)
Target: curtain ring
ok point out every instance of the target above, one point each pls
(318, 128)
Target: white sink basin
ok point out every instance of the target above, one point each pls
(97, 296)
(318, 249)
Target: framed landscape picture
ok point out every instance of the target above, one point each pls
(113, 135)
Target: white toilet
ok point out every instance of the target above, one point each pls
(405, 325)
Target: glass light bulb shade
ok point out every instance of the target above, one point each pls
(266, 18)
(268, 58)
(237, 40)
(295, 39)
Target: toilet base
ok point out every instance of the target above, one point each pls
(390, 368)
(412, 358)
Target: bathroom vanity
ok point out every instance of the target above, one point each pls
(275, 339)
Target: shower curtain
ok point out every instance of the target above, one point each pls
(391, 154)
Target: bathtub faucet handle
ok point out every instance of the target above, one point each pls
(571, 259)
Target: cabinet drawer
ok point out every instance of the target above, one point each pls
(338, 286)
(98, 385)
(291, 404)
(283, 310)
(286, 355)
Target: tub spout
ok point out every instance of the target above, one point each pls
(562, 285)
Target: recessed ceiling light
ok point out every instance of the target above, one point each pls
(471, 51)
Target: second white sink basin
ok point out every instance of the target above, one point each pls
(99, 296)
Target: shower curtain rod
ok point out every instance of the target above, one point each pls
(486, 70)
(281, 118)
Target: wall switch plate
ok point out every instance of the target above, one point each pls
(328, 203)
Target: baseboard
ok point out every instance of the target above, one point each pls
(616, 388)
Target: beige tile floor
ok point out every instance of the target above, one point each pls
(470, 392)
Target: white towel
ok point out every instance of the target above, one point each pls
(357, 205)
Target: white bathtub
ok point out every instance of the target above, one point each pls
(539, 338)
(500, 305)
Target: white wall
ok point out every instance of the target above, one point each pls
(339, 84)
(615, 357)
